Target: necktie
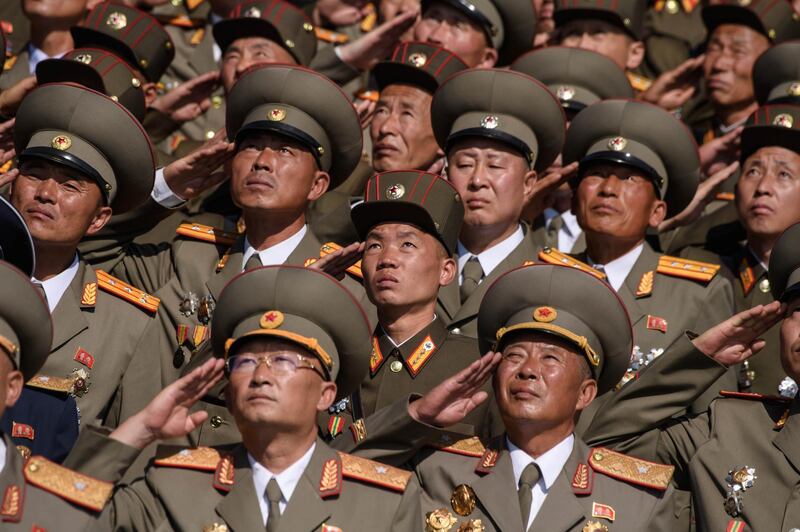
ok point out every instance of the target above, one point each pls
(528, 479)
(253, 262)
(274, 497)
(473, 273)
(40, 287)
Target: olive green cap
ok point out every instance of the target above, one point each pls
(503, 105)
(423, 199)
(771, 125)
(87, 131)
(16, 243)
(641, 135)
(299, 305)
(568, 303)
(509, 25)
(100, 70)
(577, 77)
(421, 64)
(301, 104)
(628, 15)
(775, 19)
(134, 35)
(26, 330)
(776, 74)
(276, 20)
(784, 265)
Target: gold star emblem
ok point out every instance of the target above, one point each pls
(117, 20)
(61, 142)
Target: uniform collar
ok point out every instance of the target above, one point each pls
(415, 352)
(550, 463)
(36, 55)
(55, 287)
(618, 269)
(492, 257)
(277, 254)
(287, 480)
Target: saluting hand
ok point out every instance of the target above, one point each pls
(190, 99)
(365, 52)
(190, 176)
(168, 414)
(336, 263)
(7, 151)
(674, 87)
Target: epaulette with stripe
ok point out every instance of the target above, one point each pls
(687, 269)
(385, 476)
(639, 83)
(67, 484)
(10, 62)
(206, 233)
(198, 458)
(631, 470)
(123, 290)
(554, 256)
(330, 247)
(749, 396)
(331, 36)
(467, 447)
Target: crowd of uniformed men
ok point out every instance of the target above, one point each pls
(416, 265)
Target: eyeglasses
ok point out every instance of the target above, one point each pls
(278, 363)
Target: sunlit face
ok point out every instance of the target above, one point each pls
(790, 340)
(603, 38)
(728, 67)
(247, 52)
(449, 28)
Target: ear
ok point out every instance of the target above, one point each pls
(101, 218)
(489, 59)
(635, 55)
(14, 383)
(150, 93)
(529, 185)
(658, 213)
(447, 274)
(327, 396)
(319, 185)
(586, 394)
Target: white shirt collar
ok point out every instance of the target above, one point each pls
(407, 339)
(571, 224)
(618, 269)
(216, 50)
(3, 450)
(276, 254)
(36, 55)
(492, 257)
(55, 287)
(287, 480)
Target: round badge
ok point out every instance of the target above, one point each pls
(565, 92)
(396, 366)
(252, 12)
(271, 319)
(117, 20)
(418, 59)
(617, 144)
(764, 285)
(463, 500)
(395, 191)
(545, 314)
(794, 89)
(136, 83)
(276, 115)
(84, 58)
(61, 142)
(439, 519)
(783, 120)
(490, 122)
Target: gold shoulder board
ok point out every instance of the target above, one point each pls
(10, 62)
(206, 233)
(54, 384)
(331, 36)
(687, 269)
(74, 487)
(375, 473)
(629, 469)
(639, 83)
(467, 447)
(199, 458)
(554, 256)
(123, 290)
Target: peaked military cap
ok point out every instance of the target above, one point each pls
(299, 305)
(509, 25)
(565, 302)
(771, 125)
(276, 20)
(643, 136)
(80, 128)
(416, 63)
(628, 15)
(301, 104)
(26, 330)
(776, 74)
(784, 265)
(16, 243)
(134, 35)
(425, 200)
(503, 105)
(775, 19)
(577, 77)
(100, 70)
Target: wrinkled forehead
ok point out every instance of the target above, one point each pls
(535, 340)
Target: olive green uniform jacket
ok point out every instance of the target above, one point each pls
(17, 71)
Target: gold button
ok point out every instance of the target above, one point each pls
(210, 134)
(176, 3)
(396, 366)
(764, 285)
(216, 101)
(598, 457)
(33, 468)
(672, 7)
(216, 422)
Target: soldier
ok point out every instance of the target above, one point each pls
(287, 358)
(578, 78)
(82, 156)
(36, 494)
(674, 30)
(558, 352)
(499, 130)
(740, 457)
(776, 75)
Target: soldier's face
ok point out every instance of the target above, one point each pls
(603, 38)
(59, 205)
(449, 28)
(790, 340)
(768, 192)
(64, 12)
(246, 52)
(285, 403)
(732, 50)
(542, 382)
(275, 174)
(404, 267)
(617, 201)
(494, 181)
(401, 131)
(11, 382)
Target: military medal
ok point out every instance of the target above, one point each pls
(739, 480)
(80, 383)
(463, 500)
(440, 519)
(189, 304)
(787, 388)
(594, 526)
(473, 525)
(205, 309)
